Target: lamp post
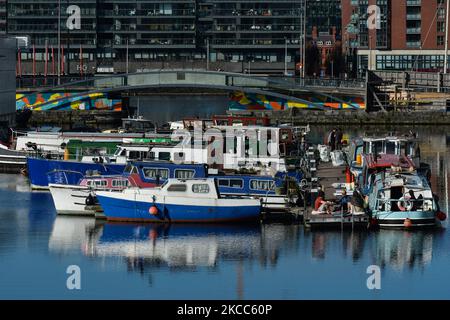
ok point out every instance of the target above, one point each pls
(285, 55)
(304, 38)
(127, 58)
(207, 54)
(446, 37)
(59, 42)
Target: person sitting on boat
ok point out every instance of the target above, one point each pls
(417, 203)
(344, 202)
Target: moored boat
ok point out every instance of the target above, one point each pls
(403, 200)
(178, 200)
(80, 199)
(39, 169)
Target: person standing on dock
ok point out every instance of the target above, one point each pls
(332, 140)
(339, 137)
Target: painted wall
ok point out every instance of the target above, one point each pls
(93, 101)
(250, 101)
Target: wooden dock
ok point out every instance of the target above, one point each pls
(327, 176)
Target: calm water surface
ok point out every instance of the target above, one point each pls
(130, 261)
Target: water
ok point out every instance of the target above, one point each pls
(275, 261)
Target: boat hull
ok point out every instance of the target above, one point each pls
(71, 200)
(38, 170)
(419, 219)
(117, 208)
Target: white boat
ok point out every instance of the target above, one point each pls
(79, 199)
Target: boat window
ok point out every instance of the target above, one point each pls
(390, 147)
(152, 173)
(118, 151)
(177, 188)
(151, 155)
(377, 147)
(200, 188)
(236, 183)
(164, 156)
(120, 183)
(265, 185)
(123, 152)
(184, 174)
(134, 155)
(101, 183)
(224, 182)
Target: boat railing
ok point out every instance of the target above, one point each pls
(406, 204)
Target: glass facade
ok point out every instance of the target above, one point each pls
(410, 62)
(173, 30)
(3, 6)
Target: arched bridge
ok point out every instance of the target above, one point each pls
(307, 93)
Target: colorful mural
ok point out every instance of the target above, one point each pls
(70, 101)
(250, 101)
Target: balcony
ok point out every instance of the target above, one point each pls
(413, 3)
(413, 30)
(414, 16)
(413, 44)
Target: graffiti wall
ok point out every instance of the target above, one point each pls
(251, 101)
(67, 101)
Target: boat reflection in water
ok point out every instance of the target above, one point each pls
(395, 249)
(175, 246)
(400, 250)
(185, 247)
(70, 234)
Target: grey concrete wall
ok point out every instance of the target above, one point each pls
(7, 79)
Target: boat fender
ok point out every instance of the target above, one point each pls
(404, 205)
(407, 223)
(153, 210)
(441, 216)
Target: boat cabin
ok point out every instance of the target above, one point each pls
(373, 164)
(391, 193)
(149, 174)
(190, 188)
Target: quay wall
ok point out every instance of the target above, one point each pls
(359, 118)
(99, 119)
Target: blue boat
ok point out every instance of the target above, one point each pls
(41, 172)
(403, 200)
(178, 200)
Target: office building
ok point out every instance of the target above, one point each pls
(410, 34)
(116, 36)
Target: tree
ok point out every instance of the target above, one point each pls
(312, 59)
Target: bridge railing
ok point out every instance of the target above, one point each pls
(166, 77)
